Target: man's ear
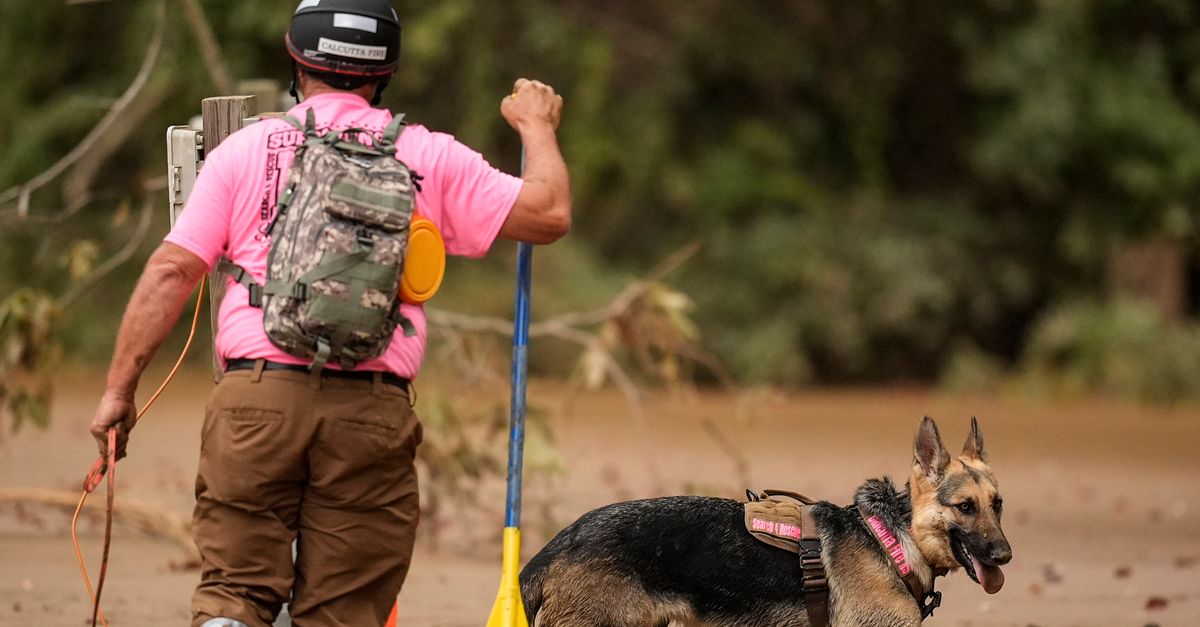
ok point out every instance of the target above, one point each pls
(973, 449)
(928, 452)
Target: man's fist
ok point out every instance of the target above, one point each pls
(530, 104)
(113, 412)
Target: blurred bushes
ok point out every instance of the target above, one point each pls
(863, 293)
(1123, 348)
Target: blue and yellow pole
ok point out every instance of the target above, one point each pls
(509, 610)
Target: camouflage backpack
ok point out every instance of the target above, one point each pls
(338, 242)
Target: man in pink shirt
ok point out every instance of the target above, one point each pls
(329, 466)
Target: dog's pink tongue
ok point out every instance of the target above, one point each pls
(990, 577)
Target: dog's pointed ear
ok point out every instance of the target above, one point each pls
(928, 452)
(973, 449)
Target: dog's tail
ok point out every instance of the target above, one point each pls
(532, 578)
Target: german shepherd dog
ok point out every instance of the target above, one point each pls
(688, 560)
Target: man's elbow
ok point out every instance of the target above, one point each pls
(173, 264)
(553, 224)
(540, 216)
(559, 223)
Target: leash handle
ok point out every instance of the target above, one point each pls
(107, 464)
(95, 475)
(111, 462)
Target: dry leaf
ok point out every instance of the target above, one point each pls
(594, 366)
(1156, 603)
(79, 258)
(121, 215)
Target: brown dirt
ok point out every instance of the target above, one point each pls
(1103, 506)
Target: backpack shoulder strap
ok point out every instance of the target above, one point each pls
(393, 130)
(309, 127)
(293, 122)
(241, 275)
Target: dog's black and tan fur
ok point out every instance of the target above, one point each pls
(689, 561)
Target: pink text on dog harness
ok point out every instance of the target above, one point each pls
(781, 529)
(891, 545)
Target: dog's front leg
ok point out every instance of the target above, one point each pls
(876, 616)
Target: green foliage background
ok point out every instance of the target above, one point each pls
(880, 187)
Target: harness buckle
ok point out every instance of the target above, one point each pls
(812, 571)
(300, 291)
(256, 294)
(927, 607)
(810, 549)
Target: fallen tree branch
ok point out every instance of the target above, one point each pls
(114, 262)
(500, 326)
(625, 299)
(552, 326)
(570, 327)
(79, 180)
(154, 520)
(741, 465)
(23, 192)
(79, 203)
(210, 48)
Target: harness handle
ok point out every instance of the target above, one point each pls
(795, 496)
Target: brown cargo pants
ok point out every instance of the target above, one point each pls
(329, 465)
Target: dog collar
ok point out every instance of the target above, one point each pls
(893, 548)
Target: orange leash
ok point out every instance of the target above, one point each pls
(108, 464)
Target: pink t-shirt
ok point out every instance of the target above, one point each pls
(235, 196)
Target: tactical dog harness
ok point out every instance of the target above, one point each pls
(785, 520)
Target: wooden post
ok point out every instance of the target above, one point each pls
(223, 116)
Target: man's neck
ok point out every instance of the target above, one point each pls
(318, 88)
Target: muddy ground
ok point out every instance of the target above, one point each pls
(1102, 498)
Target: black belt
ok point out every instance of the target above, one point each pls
(356, 375)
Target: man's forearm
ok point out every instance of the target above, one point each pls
(544, 208)
(544, 163)
(152, 311)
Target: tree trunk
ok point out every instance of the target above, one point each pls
(1152, 270)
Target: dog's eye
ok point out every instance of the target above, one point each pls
(997, 505)
(966, 507)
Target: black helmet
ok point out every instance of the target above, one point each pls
(354, 37)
